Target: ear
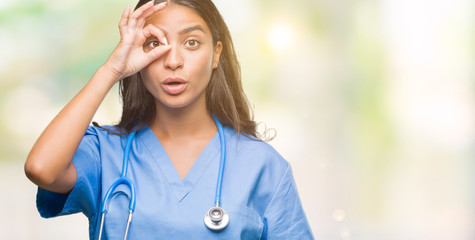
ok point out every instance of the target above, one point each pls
(217, 53)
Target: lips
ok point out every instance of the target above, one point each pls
(174, 85)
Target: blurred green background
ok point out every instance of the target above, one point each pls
(372, 101)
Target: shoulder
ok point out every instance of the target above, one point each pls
(253, 151)
(256, 169)
(102, 136)
(102, 131)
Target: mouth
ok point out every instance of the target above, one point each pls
(174, 86)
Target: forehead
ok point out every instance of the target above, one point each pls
(175, 18)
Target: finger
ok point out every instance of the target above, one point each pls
(154, 9)
(123, 19)
(157, 52)
(149, 12)
(133, 17)
(151, 30)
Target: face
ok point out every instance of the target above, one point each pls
(179, 78)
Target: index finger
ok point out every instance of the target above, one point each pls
(155, 9)
(149, 12)
(139, 11)
(151, 30)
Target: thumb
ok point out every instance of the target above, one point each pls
(157, 52)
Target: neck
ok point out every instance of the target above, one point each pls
(182, 122)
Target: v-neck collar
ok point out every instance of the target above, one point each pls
(180, 187)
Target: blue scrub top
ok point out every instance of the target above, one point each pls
(258, 192)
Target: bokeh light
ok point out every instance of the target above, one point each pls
(280, 36)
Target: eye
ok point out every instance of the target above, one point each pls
(153, 44)
(192, 43)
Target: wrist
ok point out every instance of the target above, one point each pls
(113, 74)
(104, 78)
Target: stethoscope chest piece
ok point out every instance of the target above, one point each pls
(216, 219)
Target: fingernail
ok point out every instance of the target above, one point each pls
(164, 40)
(162, 4)
(151, 2)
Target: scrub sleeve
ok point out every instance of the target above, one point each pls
(85, 194)
(284, 217)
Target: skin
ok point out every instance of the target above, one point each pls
(49, 164)
(182, 121)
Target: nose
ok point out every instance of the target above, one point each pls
(174, 58)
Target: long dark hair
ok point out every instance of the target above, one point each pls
(224, 94)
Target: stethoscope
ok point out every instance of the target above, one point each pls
(215, 219)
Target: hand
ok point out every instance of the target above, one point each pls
(129, 56)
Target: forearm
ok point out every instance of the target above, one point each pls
(54, 150)
(49, 162)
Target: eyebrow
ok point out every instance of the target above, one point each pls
(191, 29)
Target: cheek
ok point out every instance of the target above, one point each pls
(153, 69)
(148, 75)
(202, 65)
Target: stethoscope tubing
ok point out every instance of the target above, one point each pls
(222, 141)
(123, 178)
(126, 181)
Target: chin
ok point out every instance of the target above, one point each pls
(177, 102)
(174, 104)
(182, 101)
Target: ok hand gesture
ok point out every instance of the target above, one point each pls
(129, 56)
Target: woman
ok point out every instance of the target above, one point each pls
(179, 81)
